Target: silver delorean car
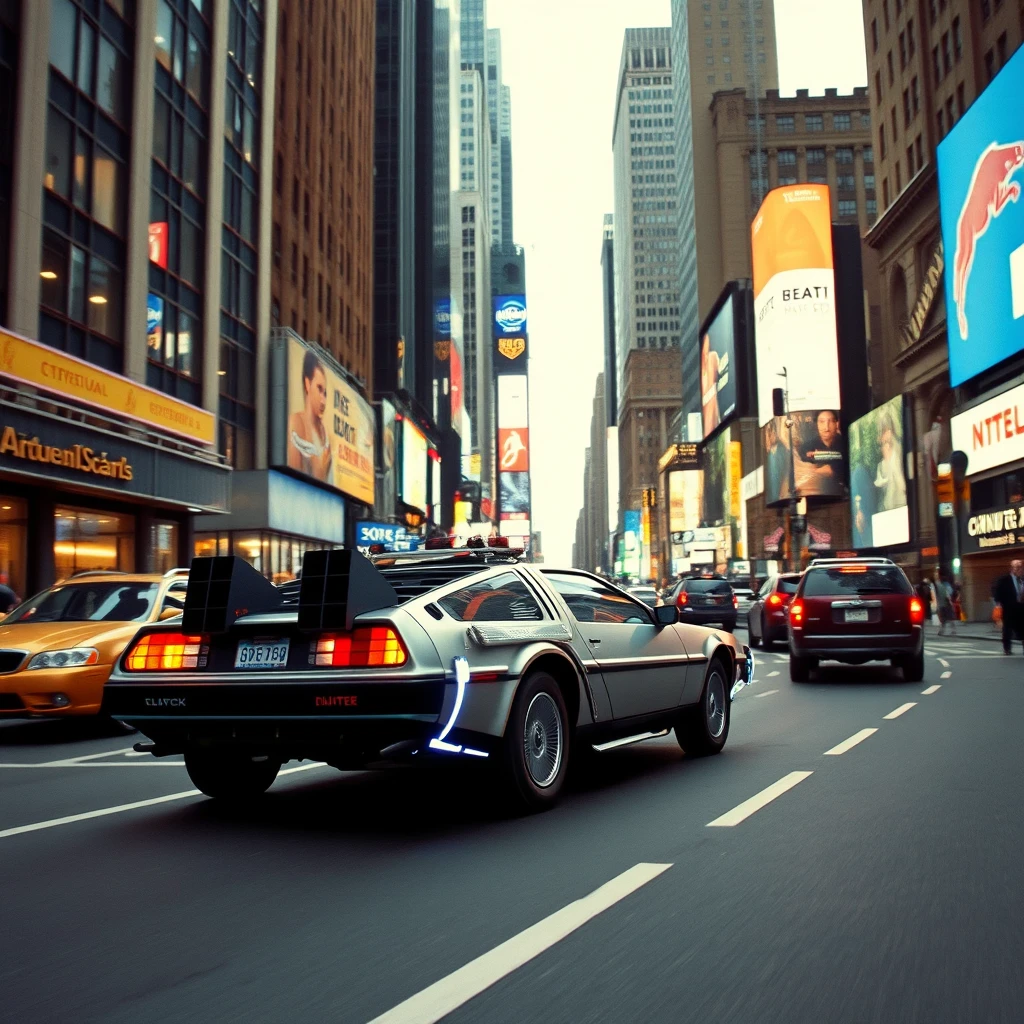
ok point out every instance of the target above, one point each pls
(466, 654)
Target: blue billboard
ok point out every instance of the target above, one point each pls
(509, 314)
(981, 170)
(393, 537)
(442, 319)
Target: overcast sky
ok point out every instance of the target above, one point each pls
(561, 59)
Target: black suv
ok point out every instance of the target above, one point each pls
(705, 600)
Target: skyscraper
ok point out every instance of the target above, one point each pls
(646, 198)
(505, 134)
(495, 93)
(712, 50)
(611, 391)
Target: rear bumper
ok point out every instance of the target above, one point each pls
(703, 614)
(856, 647)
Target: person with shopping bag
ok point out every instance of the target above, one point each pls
(1008, 593)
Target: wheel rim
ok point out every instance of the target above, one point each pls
(542, 740)
(715, 705)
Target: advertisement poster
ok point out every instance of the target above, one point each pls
(158, 243)
(735, 477)
(819, 450)
(414, 465)
(330, 426)
(716, 480)
(981, 174)
(515, 495)
(455, 388)
(509, 314)
(685, 499)
(393, 537)
(717, 376)
(154, 325)
(631, 542)
(879, 512)
(794, 302)
(513, 405)
(513, 449)
(388, 459)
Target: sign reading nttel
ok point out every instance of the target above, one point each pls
(992, 433)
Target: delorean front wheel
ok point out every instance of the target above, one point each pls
(230, 777)
(702, 729)
(535, 753)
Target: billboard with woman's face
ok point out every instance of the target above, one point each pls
(879, 507)
(717, 370)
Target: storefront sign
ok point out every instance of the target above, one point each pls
(992, 433)
(926, 297)
(42, 367)
(392, 536)
(735, 477)
(681, 456)
(993, 530)
(80, 457)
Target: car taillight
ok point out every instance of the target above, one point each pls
(774, 600)
(796, 613)
(167, 652)
(435, 543)
(735, 601)
(682, 598)
(366, 647)
(916, 611)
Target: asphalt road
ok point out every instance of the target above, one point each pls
(882, 883)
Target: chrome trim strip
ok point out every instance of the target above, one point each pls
(267, 677)
(855, 636)
(494, 636)
(500, 669)
(274, 718)
(658, 659)
(626, 740)
(856, 602)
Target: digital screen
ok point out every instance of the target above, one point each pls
(414, 465)
(509, 314)
(879, 512)
(718, 370)
(981, 174)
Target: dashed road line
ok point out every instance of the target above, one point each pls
(849, 744)
(945, 675)
(943, 663)
(448, 994)
(85, 757)
(772, 674)
(931, 689)
(901, 710)
(744, 810)
(765, 693)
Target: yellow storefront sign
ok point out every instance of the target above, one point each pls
(42, 367)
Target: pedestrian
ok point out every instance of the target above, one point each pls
(924, 592)
(1008, 592)
(8, 598)
(944, 605)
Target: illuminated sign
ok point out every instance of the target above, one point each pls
(42, 367)
(981, 173)
(514, 449)
(510, 314)
(443, 319)
(993, 530)
(79, 457)
(992, 433)
(158, 243)
(511, 348)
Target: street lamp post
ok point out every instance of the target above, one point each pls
(780, 402)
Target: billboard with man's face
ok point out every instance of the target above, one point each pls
(819, 456)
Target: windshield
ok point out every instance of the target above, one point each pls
(707, 587)
(856, 580)
(89, 602)
(788, 586)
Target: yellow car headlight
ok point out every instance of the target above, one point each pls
(72, 657)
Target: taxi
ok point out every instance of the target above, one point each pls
(58, 648)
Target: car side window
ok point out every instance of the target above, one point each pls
(174, 598)
(498, 599)
(766, 589)
(590, 600)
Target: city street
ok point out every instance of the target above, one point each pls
(879, 884)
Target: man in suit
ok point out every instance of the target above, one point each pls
(1008, 592)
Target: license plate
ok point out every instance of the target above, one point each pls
(262, 655)
(857, 615)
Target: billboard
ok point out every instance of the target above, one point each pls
(330, 426)
(981, 173)
(819, 456)
(794, 301)
(394, 538)
(155, 326)
(879, 509)
(513, 403)
(631, 542)
(513, 453)
(718, 379)
(992, 432)
(685, 499)
(717, 492)
(414, 465)
(515, 495)
(513, 449)
(509, 315)
(388, 459)
(455, 388)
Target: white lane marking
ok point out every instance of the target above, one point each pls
(87, 757)
(744, 810)
(901, 710)
(765, 693)
(931, 689)
(943, 663)
(945, 675)
(849, 744)
(120, 808)
(771, 674)
(448, 994)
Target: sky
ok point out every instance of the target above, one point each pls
(562, 65)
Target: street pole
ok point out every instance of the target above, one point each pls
(792, 480)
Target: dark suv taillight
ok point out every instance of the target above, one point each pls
(916, 612)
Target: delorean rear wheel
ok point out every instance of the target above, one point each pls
(230, 777)
(535, 751)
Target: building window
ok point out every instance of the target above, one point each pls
(936, 66)
(869, 155)
(871, 208)
(885, 192)
(947, 61)
(881, 140)
(815, 122)
(85, 182)
(841, 122)
(869, 183)
(878, 86)
(844, 155)
(940, 119)
(874, 35)
(986, 10)
(787, 158)
(1001, 49)
(846, 183)
(815, 156)
(958, 40)
(785, 124)
(847, 207)
(903, 51)
(888, 60)
(915, 96)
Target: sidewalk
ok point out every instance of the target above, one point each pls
(967, 630)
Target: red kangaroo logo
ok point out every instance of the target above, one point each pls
(990, 191)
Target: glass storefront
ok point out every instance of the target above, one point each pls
(14, 544)
(163, 544)
(278, 556)
(87, 540)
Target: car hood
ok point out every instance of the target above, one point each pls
(54, 636)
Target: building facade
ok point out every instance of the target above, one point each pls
(611, 375)
(646, 197)
(715, 47)
(927, 64)
(592, 553)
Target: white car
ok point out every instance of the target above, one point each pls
(744, 598)
(649, 595)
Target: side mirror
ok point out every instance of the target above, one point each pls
(666, 615)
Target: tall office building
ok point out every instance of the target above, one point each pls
(495, 92)
(322, 236)
(646, 198)
(611, 390)
(505, 141)
(715, 47)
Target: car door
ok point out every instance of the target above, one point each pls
(755, 615)
(643, 664)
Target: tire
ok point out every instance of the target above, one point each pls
(703, 728)
(755, 641)
(913, 668)
(730, 626)
(799, 668)
(536, 745)
(230, 777)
